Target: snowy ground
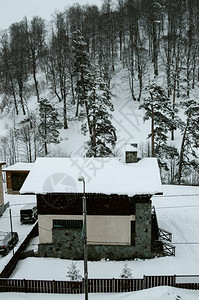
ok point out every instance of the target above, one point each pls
(159, 293)
(16, 203)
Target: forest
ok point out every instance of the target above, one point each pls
(52, 73)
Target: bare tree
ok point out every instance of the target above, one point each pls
(36, 47)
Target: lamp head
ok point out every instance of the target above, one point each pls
(81, 178)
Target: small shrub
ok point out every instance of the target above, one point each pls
(73, 273)
(126, 272)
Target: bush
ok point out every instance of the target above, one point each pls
(126, 272)
(73, 273)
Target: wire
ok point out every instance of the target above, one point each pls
(9, 217)
(181, 195)
(179, 206)
(17, 204)
(185, 243)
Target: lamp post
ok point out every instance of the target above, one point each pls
(81, 178)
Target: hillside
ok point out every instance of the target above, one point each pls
(127, 118)
(74, 86)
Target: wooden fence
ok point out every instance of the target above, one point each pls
(96, 285)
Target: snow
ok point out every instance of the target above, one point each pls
(102, 175)
(19, 167)
(158, 293)
(16, 203)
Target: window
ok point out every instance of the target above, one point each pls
(67, 223)
(18, 180)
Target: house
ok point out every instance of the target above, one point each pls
(16, 175)
(1, 189)
(118, 197)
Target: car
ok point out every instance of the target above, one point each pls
(28, 214)
(7, 241)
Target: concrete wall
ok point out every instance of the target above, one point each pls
(112, 230)
(46, 225)
(67, 243)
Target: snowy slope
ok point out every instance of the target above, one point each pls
(127, 119)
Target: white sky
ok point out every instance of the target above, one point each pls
(14, 10)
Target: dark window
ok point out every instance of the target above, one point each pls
(133, 233)
(67, 223)
(18, 180)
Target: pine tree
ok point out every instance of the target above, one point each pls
(190, 140)
(49, 123)
(73, 273)
(158, 108)
(99, 107)
(81, 68)
(126, 272)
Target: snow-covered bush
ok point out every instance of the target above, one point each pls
(126, 272)
(73, 272)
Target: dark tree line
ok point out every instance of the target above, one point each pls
(140, 33)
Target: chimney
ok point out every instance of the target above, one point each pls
(131, 153)
(1, 186)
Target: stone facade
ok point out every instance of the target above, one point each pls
(68, 243)
(143, 228)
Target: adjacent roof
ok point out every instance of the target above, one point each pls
(102, 175)
(20, 167)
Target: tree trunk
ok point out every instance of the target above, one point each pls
(21, 100)
(35, 81)
(65, 113)
(14, 96)
(182, 153)
(155, 48)
(152, 129)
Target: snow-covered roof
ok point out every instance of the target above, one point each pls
(102, 175)
(20, 167)
(131, 147)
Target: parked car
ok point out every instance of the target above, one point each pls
(7, 241)
(28, 214)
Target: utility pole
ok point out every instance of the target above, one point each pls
(81, 178)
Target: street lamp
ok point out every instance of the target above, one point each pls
(82, 179)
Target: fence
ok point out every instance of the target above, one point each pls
(96, 285)
(165, 235)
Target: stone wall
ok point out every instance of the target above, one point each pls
(68, 243)
(143, 229)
